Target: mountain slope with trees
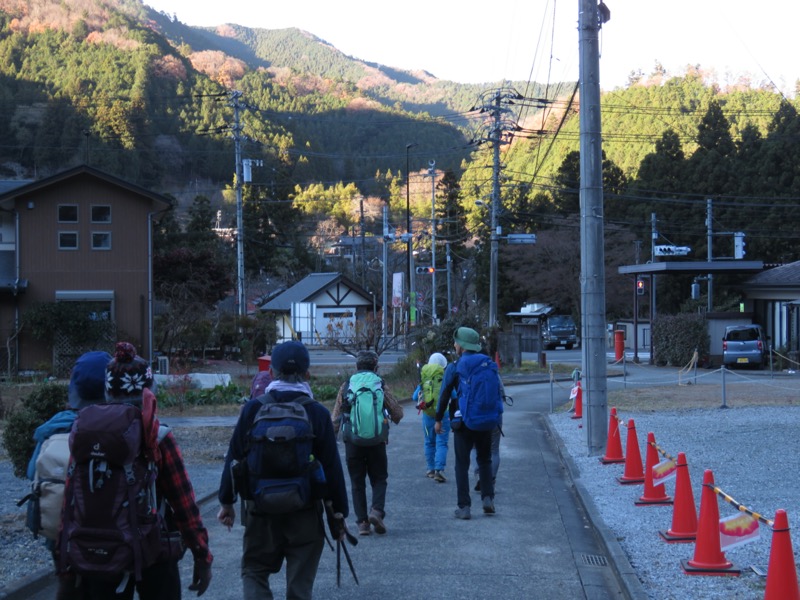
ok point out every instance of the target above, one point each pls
(145, 97)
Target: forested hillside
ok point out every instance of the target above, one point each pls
(147, 98)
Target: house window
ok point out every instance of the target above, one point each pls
(98, 304)
(67, 213)
(67, 240)
(101, 240)
(101, 213)
(337, 315)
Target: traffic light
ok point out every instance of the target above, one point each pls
(425, 270)
(640, 286)
(695, 291)
(738, 245)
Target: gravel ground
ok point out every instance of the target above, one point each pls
(20, 555)
(753, 455)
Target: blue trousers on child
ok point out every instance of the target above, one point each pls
(435, 444)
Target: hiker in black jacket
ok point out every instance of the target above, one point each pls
(297, 536)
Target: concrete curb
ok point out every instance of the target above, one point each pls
(624, 572)
(25, 587)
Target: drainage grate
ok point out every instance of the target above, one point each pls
(594, 560)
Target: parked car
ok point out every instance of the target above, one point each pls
(744, 346)
(559, 330)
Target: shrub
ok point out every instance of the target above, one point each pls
(676, 337)
(38, 407)
(181, 396)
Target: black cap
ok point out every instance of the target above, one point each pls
(290, 357)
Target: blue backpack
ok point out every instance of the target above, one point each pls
(479, 398)
(280, 462)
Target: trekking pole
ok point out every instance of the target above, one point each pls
(338, 563)
(340, 546)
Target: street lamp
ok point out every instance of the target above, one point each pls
(410, 256)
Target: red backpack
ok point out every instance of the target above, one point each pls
(111, 523)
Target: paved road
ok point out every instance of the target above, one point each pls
(540, 544)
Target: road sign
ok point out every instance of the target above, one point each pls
(521, 238)
(671, 250)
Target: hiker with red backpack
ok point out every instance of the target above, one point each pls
(425, 398)
(283, 460)
(473, 417)
(362, 412)
(129, 507)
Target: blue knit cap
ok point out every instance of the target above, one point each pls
(87, 384)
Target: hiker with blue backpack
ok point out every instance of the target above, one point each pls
(283, 460)
(473, 417)
(362, 412)
(425, 398)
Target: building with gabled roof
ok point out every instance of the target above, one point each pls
(320, 308)
(81, 235)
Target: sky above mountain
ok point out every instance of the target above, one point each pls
(474, 41)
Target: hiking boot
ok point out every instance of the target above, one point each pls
(429, 474)
(439, 477)
(488, 505)
(463, 513)
(377, 521)
(363, 528)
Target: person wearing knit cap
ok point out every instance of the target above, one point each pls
(129, 379)
(127, 374)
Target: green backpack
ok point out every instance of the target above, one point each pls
(431, 377)
(364, 422)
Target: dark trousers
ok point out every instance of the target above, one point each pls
(464, 440)
(296, 538)
(363, 462)
(161, 581)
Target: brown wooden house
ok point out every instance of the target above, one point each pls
(78, 236)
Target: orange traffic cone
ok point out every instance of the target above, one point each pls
(653, 494)
(781, 572)
(709, 559)
(614, 442)
(633, 458)
(577, 392)
(684, 511)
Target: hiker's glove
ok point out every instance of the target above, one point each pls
(337, 526)
(201, 577)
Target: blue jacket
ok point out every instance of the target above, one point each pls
(59, 423)
(325, 449)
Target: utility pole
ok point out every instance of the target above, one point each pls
(363, 246)
(593, 300)
(495, 103)
(710, 252)
(449, 295)
(385, 259)
(432, 175)
(653, 240)
(410, 244)
(237, 143)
